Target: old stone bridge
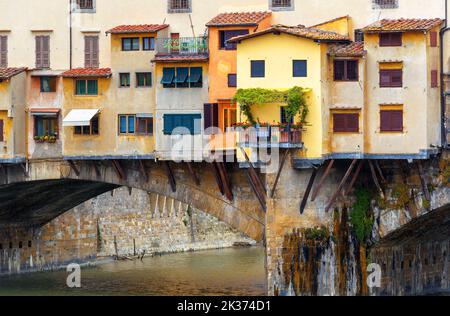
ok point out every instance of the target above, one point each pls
(301, 215)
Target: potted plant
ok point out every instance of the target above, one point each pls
(52, 139)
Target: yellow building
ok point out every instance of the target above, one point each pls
(12, 115)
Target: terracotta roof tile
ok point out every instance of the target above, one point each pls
(87, 72)
(141, 28)
(402, 25)
(239, 18)
(300, 31)
(6, 73)
(351, 50)
(181, 58)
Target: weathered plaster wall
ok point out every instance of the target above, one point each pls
(134, 223)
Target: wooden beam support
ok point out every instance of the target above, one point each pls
(375, 178)
(170, 176)
(254, 173)
(258, 195)
(74, 167)
(225, 180)
(380, 171)
(143, 170)
(280, 169)
(322, 180)
(193, 174)
(308, 191)
(355, 177)
(96, 169)
(24, 169)
(218, 178)
(119, 169)
(341, 185)
(423, 181)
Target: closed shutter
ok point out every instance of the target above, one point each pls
(42, 52)
(339, 70)
(258, 68)
(346, 123)
(3, 51)
(1, 131)
(300, 68)
(434, 79)
(211, 115)
(391, 78)
(91, 47)
(391, 121)
(338, 123)
(433, 39)
(232, 80)
(38, 52)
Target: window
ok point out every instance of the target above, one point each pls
(86, 87)
(48, 84)
(433, 39)
(3, 51)
(345, 122)
(281, 5)
(359, 36)
(148, 43)
(124, 80)
(143, 79)
(211, 116)
(182, 77)
(130, 44)
(345, 70)
(300, 68)
(42, 52)
(390, 39)
(391, 78)
(127, 124)
(145, 125)
(2, 139)
(91, 59)
(187, 124)
(283, 118)
(179, 6)
(45, 126)
(232, 80)
(258, 68)
(92, 129)
(224, 36)
(391, 121)
(385, 4)
(85, 4)
(434, 79)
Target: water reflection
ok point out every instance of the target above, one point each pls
(219, 272)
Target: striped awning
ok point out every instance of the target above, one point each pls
(45, 112)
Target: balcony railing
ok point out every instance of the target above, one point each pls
(182, 46)
(270, 137)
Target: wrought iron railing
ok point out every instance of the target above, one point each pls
(270, 137)
(182, 45)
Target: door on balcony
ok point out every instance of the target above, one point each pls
(175, 43)
(229, 118)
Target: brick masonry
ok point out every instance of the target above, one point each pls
(135, 221)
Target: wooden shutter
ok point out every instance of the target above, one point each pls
(232, 80)
(300, 68)
(390, 39)
(38, 52)
(434, 79)
(91, 51)
(211, 115)
(45, 51)
(391, 78)
(433, 39)
(338, 123)
(258, 68)
(346, 122)
(391, 121)
(3, 51)
(1, 131)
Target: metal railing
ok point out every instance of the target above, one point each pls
(270, 137)
(182, 46)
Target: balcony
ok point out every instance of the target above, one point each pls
(270, 137)
(180, 49)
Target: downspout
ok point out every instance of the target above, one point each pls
(443, 96)
(70, 34)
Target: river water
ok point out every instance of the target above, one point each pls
(232, 272)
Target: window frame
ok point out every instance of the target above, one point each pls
(3, 51)
(230, 85)
(77, 9)
(253, 63)
(147, 132)
(49, 119)
(52, 79)
(171, 9)
(127, 117)
(294, 61)
(126, 75)
(385, 41)
(391, 84)
(91, 128)
(192, 132)
(145, 74)
(281, 7)
(392, 129)
(131, 39)
(347, 129)
(151, 42)
(86, 94)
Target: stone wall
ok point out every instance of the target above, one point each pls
(133, 222)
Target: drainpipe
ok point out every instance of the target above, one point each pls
(443, 105)
(70, 34)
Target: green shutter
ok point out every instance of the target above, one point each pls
(92, 86)
(196, 75)
(81, 87)
(168, 76)
(182, 75)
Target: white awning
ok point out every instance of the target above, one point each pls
(80, 117)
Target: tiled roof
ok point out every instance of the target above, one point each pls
(141, 28)
(300, 31)
(238, 18)
(351, 50)
(6, 73)
(402, 25)
(87, 72)
(180, 58)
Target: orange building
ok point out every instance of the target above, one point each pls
(223, 60)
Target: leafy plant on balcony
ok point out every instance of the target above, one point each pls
(294, 98)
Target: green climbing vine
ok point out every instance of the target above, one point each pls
(294, 98)
(361, 217)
